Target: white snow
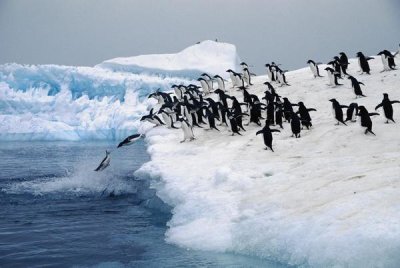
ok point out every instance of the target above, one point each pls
(207, 56)
(328, 199)
(51, 102)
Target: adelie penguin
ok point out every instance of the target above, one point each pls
(204, 85)
(356, 86)
(220, 82)
(129, 140)
(363, 63)
(305, 115)
(247, 76)
(366, 119)
(295, 124)
(267, 135)
(333, 77)
(337, 111)
(187, 130)
(152, 118)
(344, 62)
(351, 113)
(387, 60)
(104, 163)
(314, 68)
(387, 107)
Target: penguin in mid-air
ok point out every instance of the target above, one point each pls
(314, 68)
(366, 119)
(267, 135)
(337, 111)
(356, 86)
(129, 140)
(363, 63)
(351, 113)
(387, 107)
(104, 163)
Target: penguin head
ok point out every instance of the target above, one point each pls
(310, 61)
(333, 100)
(107, 152)
(336, 58)
(229, 71)
(385, 95)
(359, 54)
(342, 54)
(301, 103)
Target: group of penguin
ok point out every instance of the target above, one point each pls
(192, 106)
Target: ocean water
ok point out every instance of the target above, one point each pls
(57, 212)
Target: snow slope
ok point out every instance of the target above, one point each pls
(51, 102)
(210, 56)
(328, 199)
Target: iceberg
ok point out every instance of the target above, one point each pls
(52, 102)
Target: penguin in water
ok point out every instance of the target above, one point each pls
(387, 107)
(387, 60)
(351, 113)
(129, 140)
(366, 119)
(267, 135)
(356, 86)
(314, 68)
(337, 111)
(104, 163)
(333, 77)
(187, 130)
(363, 63)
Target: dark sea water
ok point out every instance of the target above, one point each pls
(57, 212)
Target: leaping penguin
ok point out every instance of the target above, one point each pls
(129, 140)
(104, 163)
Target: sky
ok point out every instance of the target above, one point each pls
(77, 32)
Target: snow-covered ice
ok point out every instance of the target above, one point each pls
(328, 199)
(51, 102)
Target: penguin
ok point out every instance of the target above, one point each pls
(210, 119)
(178, 92)
(152, 118)
(104, 163)
(237, 110)
(187, 130)
(129, 140)
(363, 63)
(295, 125)
(387, 60)
(267, 135)
(209, 81)
(220, 82)
(167, 118)
(222, 97)
(305, 117)
(204, 85)
(270, 72)
(281, 77)
(333, 77)
(336, 66)
(344, 62)
(233, 122)
(356, 86)
(351, 113)
(279, 114)
(387, 107)
(271, 113)
(235, 78)
(314, 68)
(337, 111)
(247, 76)
(366, 119)
(287, 108)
